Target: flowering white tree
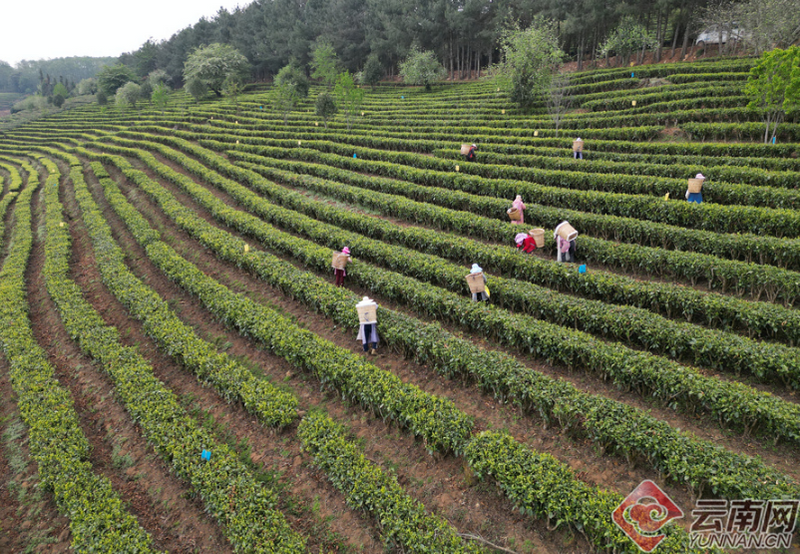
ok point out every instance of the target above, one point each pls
(212, 66)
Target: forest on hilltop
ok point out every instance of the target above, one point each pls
(465, 35)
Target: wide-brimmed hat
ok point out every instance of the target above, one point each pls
(699, 176)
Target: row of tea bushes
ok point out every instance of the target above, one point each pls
(725, 184)
(506, 181)
(403, 520)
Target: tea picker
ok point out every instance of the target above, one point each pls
(694, 191)
(477, 284)
(525, 242)
(368, 324)
(577, 148)
(469, 151)
(565, 235)
(339, 263)
(515, 213)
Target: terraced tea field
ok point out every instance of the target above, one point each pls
(181, 374)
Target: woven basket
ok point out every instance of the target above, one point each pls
(514, 214)
(339, 260)
(367, 314)
(577, 146)
(566, 231)
(476, 282)
(695, 185)
(465, 149)
(538, 236)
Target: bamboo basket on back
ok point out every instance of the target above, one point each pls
(566, 231)
(476, 282)
(695, 185)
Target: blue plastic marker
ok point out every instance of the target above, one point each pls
(773, 140)
(355, 156)
(206, 455)
(582, 268)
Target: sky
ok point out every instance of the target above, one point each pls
(46, 29)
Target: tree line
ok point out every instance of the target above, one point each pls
(465, 35)
(41, 76)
